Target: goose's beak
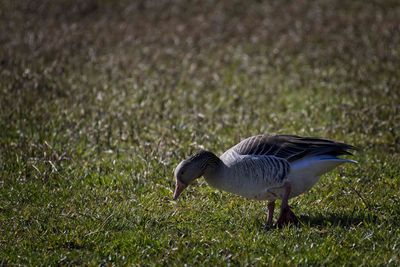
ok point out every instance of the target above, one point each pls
(178, 189)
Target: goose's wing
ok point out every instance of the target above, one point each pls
(268, 168)
(290, 147)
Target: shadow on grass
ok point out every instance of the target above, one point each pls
(332, 219)
(343, 220)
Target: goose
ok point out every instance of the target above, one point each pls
(265, 167)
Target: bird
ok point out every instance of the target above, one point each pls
(266, 167)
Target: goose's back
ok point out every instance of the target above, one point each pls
(289, 147)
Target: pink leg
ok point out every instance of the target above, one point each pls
(271, 209)
(287, 216)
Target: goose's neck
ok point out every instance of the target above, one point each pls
(211, 164)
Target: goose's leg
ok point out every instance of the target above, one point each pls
(271, 209)
(287, 216)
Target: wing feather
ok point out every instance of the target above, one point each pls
(291, 147)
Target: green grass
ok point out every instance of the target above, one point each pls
(100, 100)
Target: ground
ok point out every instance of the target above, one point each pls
(100, 100)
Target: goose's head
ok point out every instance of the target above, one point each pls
(190, 169)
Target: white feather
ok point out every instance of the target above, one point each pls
(305, 173)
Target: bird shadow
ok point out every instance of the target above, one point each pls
(331, 219)
(345, 220)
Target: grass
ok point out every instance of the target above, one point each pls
(100, 100)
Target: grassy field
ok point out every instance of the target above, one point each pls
(100, 100)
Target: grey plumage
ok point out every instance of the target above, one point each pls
(259, 166)
(290, 147)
